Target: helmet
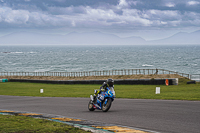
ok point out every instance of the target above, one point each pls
(110, 82)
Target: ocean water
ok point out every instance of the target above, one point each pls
(183, 59)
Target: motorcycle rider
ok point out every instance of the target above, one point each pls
(108, 83)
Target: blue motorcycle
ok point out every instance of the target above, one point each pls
(103, 101)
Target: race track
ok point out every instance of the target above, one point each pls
(167, 116)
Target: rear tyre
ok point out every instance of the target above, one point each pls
(90, 106)
(106, 107)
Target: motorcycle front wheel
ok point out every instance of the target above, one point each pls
(106, 105)
(90, 106)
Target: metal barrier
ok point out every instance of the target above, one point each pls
(96, 73)
(117, 81)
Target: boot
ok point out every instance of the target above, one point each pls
(94, 99)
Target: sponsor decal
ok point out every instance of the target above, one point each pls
(94, 106)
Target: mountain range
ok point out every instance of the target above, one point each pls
(94, 38)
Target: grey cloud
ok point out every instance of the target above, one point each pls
(192, 3)
(24, 18)
(56, 3)
(66, 10)
(104, 13)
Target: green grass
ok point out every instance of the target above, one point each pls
(50, 90)
(23, 124)
(182, 91)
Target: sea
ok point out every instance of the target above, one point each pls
(179, 58)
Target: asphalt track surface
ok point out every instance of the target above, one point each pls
(166, 116)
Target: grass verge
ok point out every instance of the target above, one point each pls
(24, 124)
(182, 91)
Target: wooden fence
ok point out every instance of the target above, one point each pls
(96, 73)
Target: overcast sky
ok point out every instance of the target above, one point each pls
(150, 19)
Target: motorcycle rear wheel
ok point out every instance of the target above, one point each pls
(90, 106)
(106, 107)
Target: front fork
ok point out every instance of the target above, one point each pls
(106, 100)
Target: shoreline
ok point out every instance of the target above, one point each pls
(122, 77)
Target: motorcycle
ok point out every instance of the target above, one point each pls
(103, 101)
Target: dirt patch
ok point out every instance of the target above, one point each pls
(158, 76)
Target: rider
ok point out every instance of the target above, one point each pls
(108, 83)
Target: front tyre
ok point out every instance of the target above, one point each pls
(90, 106)
(106, 105)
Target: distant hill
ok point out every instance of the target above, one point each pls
(180, 38)
(87, 38)
(94, 38)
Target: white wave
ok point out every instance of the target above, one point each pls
(146, 65)
(15, 64)
(32, 52)
(194, 64)
(17, 52)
